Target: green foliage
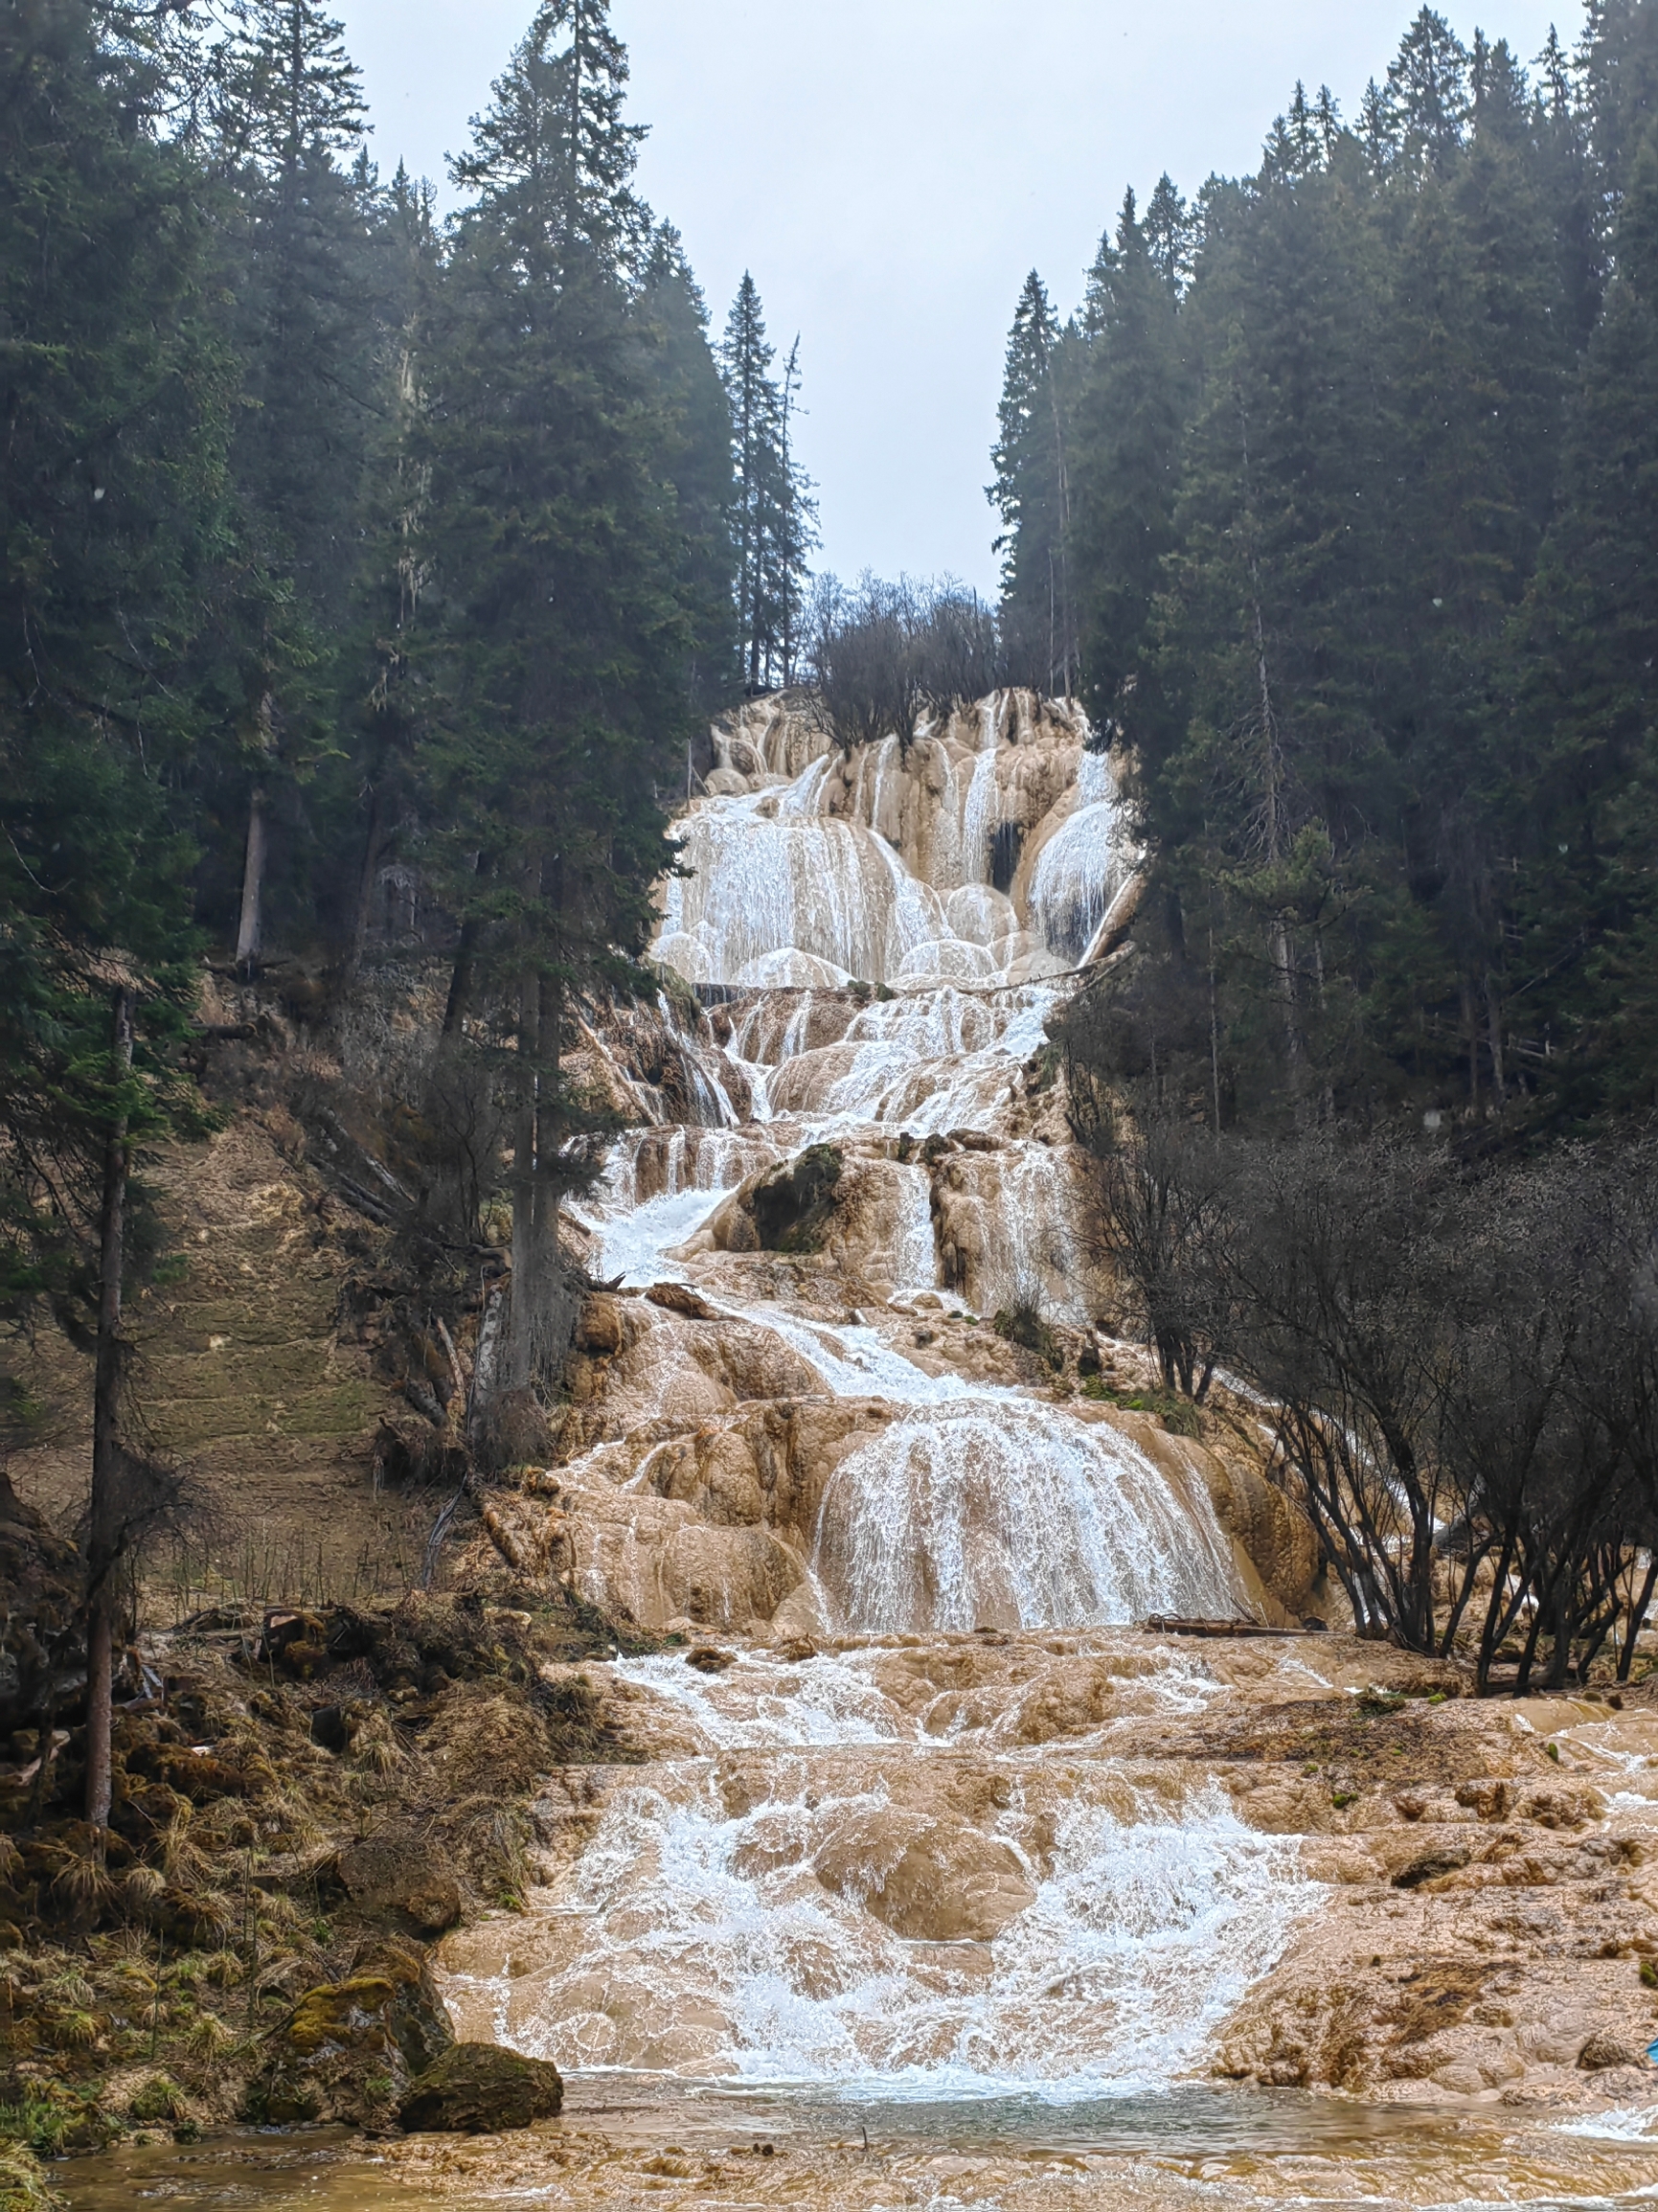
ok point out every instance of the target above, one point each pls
(1022, 1324)
(159, 2099)
(1031, 495)
(23, 2186)
(775, 517)
(113, 512)
(1181, 1416)
(50, 2119)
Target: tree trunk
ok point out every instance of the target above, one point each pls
(1494, 1028)
(1471, 1030)
(1637, 1619)
(460, 996)
(550, 1016)
(249, 936)
(373, 845)
(104, 1532)
(527, 1286)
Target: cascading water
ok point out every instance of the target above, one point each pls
(974, 1507)
(1007, 1515)
(923, 1859)
(865, 1878)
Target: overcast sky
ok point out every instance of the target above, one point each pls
(891, 169)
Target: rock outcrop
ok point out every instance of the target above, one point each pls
(349, 2050)
(481, 2090)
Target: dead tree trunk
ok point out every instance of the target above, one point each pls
(103, 1530)
(249, 935)
(525, 1253)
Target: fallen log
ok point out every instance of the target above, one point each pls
(1170, 1624)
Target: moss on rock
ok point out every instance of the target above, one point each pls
(481, 2090)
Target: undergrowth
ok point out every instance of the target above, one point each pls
(1180, 1416)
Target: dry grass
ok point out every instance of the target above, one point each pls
(183, 1860)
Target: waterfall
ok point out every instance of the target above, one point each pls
(927, 1859)
(1003, 1515)
(978, 1505)
(799, 1902)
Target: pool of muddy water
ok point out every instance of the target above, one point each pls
(624, 2141)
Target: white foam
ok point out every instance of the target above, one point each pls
(1004, 1514)
(707, 1942)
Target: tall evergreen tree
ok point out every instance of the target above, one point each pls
(1427, 100)
(367, 792)
(1033, 493)
(745, 359)
(673, 316)
(1582, 819)
(1131, 411)
(113, 512)
(288, 109)
(775, 524)
(1171, 233)
(558, 627)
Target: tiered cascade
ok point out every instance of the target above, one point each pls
(878, 939)
(902, 1834)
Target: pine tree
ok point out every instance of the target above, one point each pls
(1475, 362)
(1563, 138)
(1170, 235)
(1126, 445)
(1583, 817)
(1266, 752)
(556, 631)
(287, 109)
(775, 514)
(554, 145)
(1427, 101)
(673, 315)
(366, 794)
(1033, 493)
(1618, 64)
(796, 535)
(745, 359)
(113, 512)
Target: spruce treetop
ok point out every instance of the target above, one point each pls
(551, 148)
(289, 93)
(1428, 98)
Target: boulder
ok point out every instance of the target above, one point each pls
(679, 1298)
(1605, 2048)
(791, 1206)
(1429, 1865)
(481, 2090)
(394, 1872)
(598, 1327)
(933, 1880)
(349, 2050)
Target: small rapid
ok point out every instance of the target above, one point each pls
(864, 1874)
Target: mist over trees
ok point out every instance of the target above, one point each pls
(1337, 503)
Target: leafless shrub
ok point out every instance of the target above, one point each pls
(884, 653)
